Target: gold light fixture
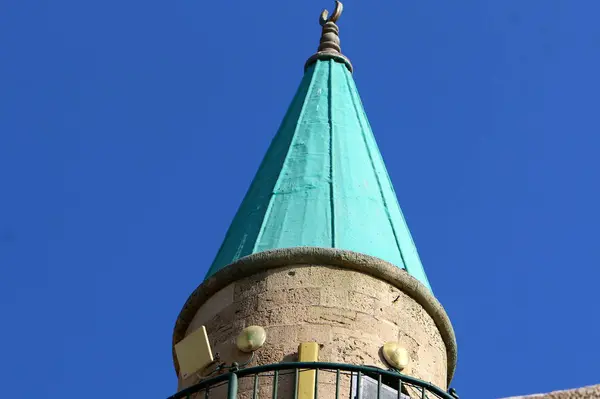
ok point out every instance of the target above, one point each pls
(251, 338)
(395, 355)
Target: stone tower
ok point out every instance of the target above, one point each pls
(319, 251)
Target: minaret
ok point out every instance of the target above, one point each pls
(319, 251)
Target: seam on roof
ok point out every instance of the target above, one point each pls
(409, 267)
(330, 111)
(412, 241)
(252, 185)
(284, 164)
(353, 95)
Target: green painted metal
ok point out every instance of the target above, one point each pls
(316, 394)
(255, 387)
(296, 381)
(323, 182)
(275, 384)
(426, 388)
(232, 387)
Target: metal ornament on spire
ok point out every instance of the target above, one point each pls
(337, 12)
(329, 45)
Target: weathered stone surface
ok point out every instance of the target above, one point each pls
(214, 305)
(349, 312)
(314, 333)
(334, 297)
(294, 315)
(589, 392)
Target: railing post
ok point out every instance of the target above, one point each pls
(255, 387)
(399, 388)
(316, 394)
(419, 388)
(296, 381)
(275, 384)
(232, 388)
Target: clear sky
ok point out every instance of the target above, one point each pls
(130, 131)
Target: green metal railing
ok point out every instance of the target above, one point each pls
(404, 386)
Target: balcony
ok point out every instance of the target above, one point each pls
(312, 380)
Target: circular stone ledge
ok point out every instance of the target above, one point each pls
(272, 259)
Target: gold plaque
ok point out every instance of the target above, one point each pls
(193, 353)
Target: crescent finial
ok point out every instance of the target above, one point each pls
(337, 11)
(329, 44)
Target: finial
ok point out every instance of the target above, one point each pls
(329, 46)
(337, 12)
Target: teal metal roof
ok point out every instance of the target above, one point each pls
(323, 182)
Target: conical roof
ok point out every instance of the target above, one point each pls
(323, 182)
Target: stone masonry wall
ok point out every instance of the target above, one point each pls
(590, 392)
(350, 314)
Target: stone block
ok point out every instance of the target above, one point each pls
(314, 333)
(333, 297)
(250, 286)
(271, 300)
(246, 306)
(282, 334)
(273, 353)
(385, 330)
(351, 332)
(277, 298)
(332, 277)
(290, 277)
(361, 302)
(370, 286)
(331, 316)
(284, 315)
(589, 392)
(303, 295)
(352, 351)
(212, 307)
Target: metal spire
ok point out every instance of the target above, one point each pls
(329, 45)
(323, 181)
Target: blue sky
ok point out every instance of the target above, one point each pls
(130, 131)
